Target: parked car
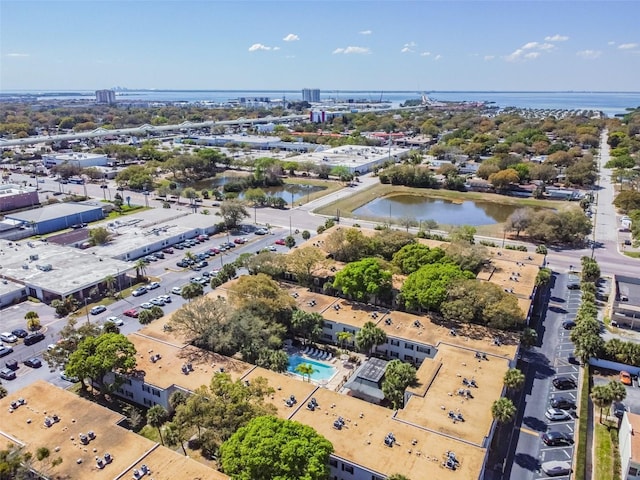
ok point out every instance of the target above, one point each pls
(168, 250)
(568, 324)
(213, 251)
(146, 305)
(261, 231)
(139, 291)
(625, 378)
(271, 248)
(280, 241)
(240, 240)
(176, 290)
(98, 309)
(33, 362)
(556, 414)
(564, 383)
(8, 337)
(153, 286)
(11, 364)
(182, 264)
(556, 468)
(20, 332)
(564, 403)
(157, 301)
(556, 439)
(116, 320)
(4, 351)
(618, 409)
(68, 378)
(203, 237)
(159, 255)
(165, 298)
(133, 313)
(33, 338)
(203, 264)
(7, 374)
(179, 246)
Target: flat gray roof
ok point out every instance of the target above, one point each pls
(630, 287)
(71, 269)
(7, 286)
(352, 156)
(372, 370)
(51, 212)
(151, 226)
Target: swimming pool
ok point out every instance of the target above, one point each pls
(321, 371)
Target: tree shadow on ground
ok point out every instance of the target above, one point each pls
(527, 462)
(535, 424)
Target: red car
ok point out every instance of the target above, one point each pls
(240, 241)
(280, 241)
(131, 313)
(168, 250)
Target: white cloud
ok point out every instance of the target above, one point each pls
(292, 37)
(18, 55)
(349, 50)
(515, 55)
(530, 45)
(556, 38)
(425, 54)
(489, 57)
(406, 50)
(437, 57)
(546, 46)
(258, 46)
(410, 45)
(589, 54)
(627, 46)
(366, 32)
(532, 55)
(525, 53)
(611, 43)
(276, 48)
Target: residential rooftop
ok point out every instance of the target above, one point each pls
(416, 453)
(167, 371)
(24, 426)
(445, 391)
(14, 189)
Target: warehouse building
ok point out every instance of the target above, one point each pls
(52, 218)
(81, 160)
(13, 197)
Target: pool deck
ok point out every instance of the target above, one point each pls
(343, 369)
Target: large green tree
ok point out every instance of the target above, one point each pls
(415, 255)
(307, 325)
(97, 356)
(363, 279)
(233, 212)
(427, 287)
(271, 448)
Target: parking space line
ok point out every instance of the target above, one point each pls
(530, 432)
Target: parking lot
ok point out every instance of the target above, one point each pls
(164, 271)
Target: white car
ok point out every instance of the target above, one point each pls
(157, 301)
(118, 321)
(8, 337)
(176, 290)
(146, 305)
(555, 414)
(153, 286)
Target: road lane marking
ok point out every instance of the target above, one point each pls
(530, 432)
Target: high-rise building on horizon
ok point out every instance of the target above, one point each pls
(105, 96)
(311, 95)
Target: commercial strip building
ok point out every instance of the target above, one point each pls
(254, 142)
(42, 415)
(358, 159)
(626, 302)
(13, 197)
(81, 160)
(629, 446)
(48, 271)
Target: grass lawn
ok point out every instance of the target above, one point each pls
(349, 204)
(603, 451)
(329, 187)
(632, 254)
(583, 414)
(150, 432)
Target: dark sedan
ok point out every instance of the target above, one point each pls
(556, 439)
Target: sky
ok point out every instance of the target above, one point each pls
(327, 44)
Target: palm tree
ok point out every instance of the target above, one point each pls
(588, 346)
(110, 282)
(305, 369)
(33, 321)
(344, 337)
(528, 338)
(3, 391)
(156, 416)
(503, 410)
(513, 379)
(397, 476)
(192, 290)
(618, 391)
(601, 396)
(177, 398)
(188, 255)
(369, 337)
(141, 269)
(174, 434)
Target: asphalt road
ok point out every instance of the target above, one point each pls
(166, 270)
(541, 364)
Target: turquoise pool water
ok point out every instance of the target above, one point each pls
(321, 371)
